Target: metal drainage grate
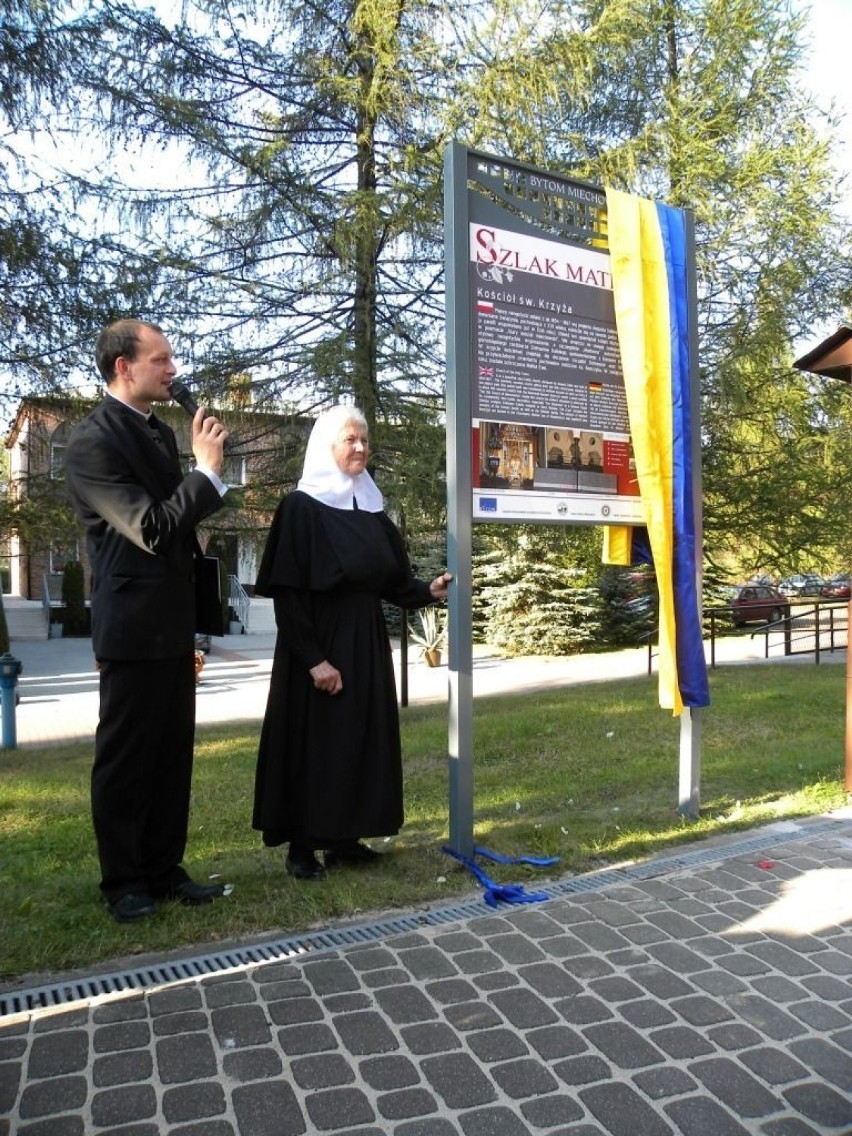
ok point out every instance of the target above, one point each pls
(67, 992)
(144, 978)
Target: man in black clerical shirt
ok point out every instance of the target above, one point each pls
(140, 511)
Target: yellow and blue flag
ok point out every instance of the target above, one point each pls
(647, 245)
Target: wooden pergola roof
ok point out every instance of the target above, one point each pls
(832, 358)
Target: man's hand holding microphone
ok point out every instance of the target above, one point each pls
(209, 436)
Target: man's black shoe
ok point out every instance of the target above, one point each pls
(193, 894)
(132, 905)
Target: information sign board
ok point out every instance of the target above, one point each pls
(550, 435)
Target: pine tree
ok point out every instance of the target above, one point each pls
(308, 254)
(535, 589)
(56, 281)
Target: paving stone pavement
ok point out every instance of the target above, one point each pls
(707, 993)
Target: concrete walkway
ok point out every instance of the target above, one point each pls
(705, 993)
(59, 684)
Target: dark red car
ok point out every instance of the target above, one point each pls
(755, 603)
(837, 588)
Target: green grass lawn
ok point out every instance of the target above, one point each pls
(588, 773)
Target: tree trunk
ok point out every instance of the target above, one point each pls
(364, 353)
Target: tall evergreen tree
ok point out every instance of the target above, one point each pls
(57, 279)
(309, 249)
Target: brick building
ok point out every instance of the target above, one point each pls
(264, 458)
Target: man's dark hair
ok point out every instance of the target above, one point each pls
(120, 338)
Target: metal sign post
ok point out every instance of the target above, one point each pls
(689, 785)
(459, 543)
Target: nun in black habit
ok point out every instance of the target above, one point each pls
(329, 768)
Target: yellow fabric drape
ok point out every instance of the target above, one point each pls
(640, 290)
(617, 541)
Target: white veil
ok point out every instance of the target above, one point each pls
(323, 479)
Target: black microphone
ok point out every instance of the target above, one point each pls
(182, 395)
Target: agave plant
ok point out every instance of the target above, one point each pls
(432, 634)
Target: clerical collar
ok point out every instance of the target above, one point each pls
(146, 414)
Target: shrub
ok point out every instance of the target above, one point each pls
(225, 592)
(532, 592)
(4, 629)
(74, 599)
(628, 606)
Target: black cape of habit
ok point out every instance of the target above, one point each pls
(329, 766)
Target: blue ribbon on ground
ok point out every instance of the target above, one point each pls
(499, 858)
(506, 893)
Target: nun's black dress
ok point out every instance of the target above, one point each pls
(329, 767)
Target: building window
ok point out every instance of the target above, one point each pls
(234, 470)
(58, 445)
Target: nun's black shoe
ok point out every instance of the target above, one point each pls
(302, 864)
(350, 852)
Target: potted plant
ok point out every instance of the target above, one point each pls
(432, 634)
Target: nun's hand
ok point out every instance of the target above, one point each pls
(438, 587)
(326, 677)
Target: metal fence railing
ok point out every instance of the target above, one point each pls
(816, 628)
(239, 601)
(813, 628)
